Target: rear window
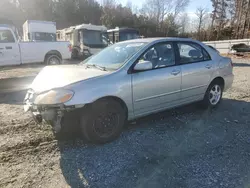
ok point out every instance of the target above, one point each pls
(39, 36)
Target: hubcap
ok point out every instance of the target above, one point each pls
(105, 124)
(215, 94)
(54, 61)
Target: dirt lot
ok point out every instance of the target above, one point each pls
(184, 147)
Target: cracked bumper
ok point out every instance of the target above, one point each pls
(50, 113)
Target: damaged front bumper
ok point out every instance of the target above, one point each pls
(51, 114)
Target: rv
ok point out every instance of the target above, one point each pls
(34, 30)
(86, 39)
(122, 34)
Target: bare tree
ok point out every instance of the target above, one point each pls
(201, 13)
(159, 10)
(129, 5)
(179, 6)
(109, 3)
(184, 22)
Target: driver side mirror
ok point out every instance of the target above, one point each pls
(144, 65)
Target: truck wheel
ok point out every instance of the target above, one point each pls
(103, 121)
(53, 60)
(74, 54)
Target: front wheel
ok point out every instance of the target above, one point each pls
(103, 121)
(213, 95)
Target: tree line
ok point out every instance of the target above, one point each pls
(157, 18)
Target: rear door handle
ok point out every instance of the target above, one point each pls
(208, 66)
(175, 72)
(8, 47)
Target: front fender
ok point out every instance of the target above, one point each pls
(108, 86)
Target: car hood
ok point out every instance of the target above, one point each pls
(62, 75)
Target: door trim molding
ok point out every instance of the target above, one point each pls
(195, 87)
(156, 96)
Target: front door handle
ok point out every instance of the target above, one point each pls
(175, 72)
(8, 47)
(208, 66)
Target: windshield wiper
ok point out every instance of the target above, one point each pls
(97, 66)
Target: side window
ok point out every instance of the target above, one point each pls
(206, 55)
(191, 53)
(161, 55)
(6, 36)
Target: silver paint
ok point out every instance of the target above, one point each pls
(142, 92)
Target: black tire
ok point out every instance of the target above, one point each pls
(74, 54)
(207, 100)
(53, 59)
(103, 121)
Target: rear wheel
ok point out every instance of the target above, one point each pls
(103, 121)
(74, 54)
(213, 95)
(53, 60)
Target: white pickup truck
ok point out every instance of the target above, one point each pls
(15, 52)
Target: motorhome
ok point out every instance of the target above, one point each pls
(86, 39)
(60, 35)
(34, 30)
(122, 34)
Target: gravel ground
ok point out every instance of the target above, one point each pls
(183, 147)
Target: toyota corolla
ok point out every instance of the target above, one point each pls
(126, 81)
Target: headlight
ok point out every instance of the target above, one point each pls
(57, 96)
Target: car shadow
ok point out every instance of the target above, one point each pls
(11, 67)
(13, 90)
(241, 65)
(153, 150)
(15, 97)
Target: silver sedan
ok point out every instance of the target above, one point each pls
(126, 81)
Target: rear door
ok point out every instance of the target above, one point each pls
(197, 68)
(9, 48)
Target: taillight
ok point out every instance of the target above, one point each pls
(70, 47)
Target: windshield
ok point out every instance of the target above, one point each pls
(94, 39)
(128, 35)
(6, 36)
(114, 56)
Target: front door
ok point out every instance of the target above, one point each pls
(158, 88)
(197, 68)
(9, 49)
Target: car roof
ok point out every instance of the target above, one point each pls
(122, 29)
(159, 39)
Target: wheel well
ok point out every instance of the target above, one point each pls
(219, 80)
(53, 52)
(76, 49)
(117, 99)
